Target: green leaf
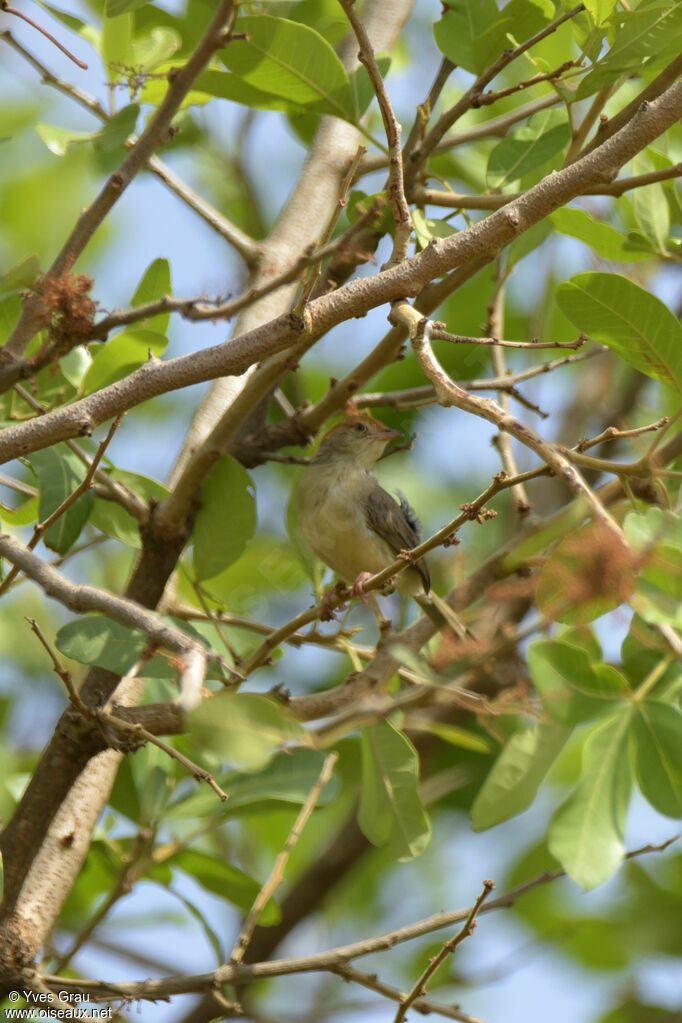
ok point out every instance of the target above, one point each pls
(654, 29)
(528, 147)
(112, 8)
(361, 86)
(650, 206)
(120, 356)
(20, 276)
(658, 760)
(117, 42)
(225, 85)
(427, 228)
(244, 728)
(155, 284)
(290, 60)
(303, 551)
(59, 139)
(631, 321)
(599, 9)
(391, 812)
(460, 27)
(606, 241)
(59, 472)
(586, 832)
(216, 875)
(113, 519)
(517, 773)
(569, 688)
(95, 639)
(226, 520)
(517, 21)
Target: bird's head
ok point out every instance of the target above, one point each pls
(357, 439)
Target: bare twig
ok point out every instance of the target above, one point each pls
(448, 948)
(439, 333)
(4, 6)
(450, 393)
(137, 730)
(421, 1005)
(60, 670)
(347, 181)
(243, 973)
(396, 185)
(277, 873)
(494, 325)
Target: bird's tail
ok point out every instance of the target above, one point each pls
(442, 614)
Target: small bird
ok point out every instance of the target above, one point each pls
(353, 525)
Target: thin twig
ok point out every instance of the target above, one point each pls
(243, 973)
(449, 393)
(199, 773)
(494, 326)
(347, 181)
(488, 98)
(439, 333)
(277, 873)
(4, 6)
(422, 1005)
(60, 670)
(448, 948)
(473, 93)
(396, 184)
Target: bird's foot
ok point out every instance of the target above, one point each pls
(337, 594)
(359, 587)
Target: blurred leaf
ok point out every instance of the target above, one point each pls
(244, 728)
(391, 812)
(586, 832)
(225, 880)
(658, 760)
(569, 687)
(606, 241)
(117, 42)
(287, 778)
(226, 519)
(20, 276)
(427, 228)
(517, 773)
(95, 639)
(650, 206)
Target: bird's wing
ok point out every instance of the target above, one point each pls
(387, 518)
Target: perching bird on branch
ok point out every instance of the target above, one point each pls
(354, 526)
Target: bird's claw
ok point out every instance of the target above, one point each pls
(337, 594)
(358, 589)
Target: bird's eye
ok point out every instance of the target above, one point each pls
(361, 427)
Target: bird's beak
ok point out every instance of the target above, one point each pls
(387, 435)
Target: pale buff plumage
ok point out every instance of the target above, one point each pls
(351, 523)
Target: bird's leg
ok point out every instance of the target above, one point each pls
(369, 600)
